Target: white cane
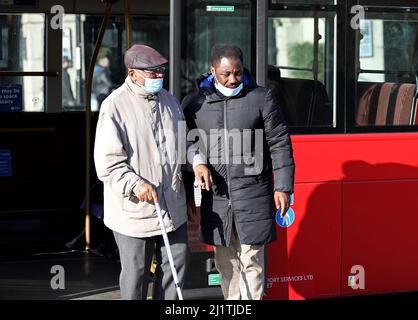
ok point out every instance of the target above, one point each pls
(169, 254)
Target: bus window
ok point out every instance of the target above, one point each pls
(206, 25)
(387, 70)
(22, 38)
(79, 37)
(304, 1)
(301, 58)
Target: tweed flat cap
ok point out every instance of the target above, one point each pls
(143, 57)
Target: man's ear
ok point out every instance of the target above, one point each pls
(212, 70)
(131, 74)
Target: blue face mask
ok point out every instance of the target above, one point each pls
(153, 85)
(228, 92)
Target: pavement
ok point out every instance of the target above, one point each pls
(62, 275)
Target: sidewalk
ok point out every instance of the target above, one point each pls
(86, 276)
(78, 276)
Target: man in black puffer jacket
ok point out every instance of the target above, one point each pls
(237, 211)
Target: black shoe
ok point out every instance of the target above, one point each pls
(78, 243)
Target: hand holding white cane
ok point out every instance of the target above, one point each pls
(168, 249)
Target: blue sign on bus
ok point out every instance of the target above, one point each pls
(5, 163)
(287, 220)
(11, 98)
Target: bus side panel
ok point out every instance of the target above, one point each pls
(305, 261)
(353, 157)
(380, 242)
(384, 165)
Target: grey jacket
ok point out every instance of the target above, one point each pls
(126, 153)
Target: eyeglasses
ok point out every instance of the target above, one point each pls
(156, 70)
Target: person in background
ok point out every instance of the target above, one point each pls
(67, 93)
(102, 241)
(102, 81)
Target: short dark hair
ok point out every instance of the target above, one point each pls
(220, 51)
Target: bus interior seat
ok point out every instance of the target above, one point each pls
(295, 96)
(384, 103)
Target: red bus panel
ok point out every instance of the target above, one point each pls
(380, 234)
(305, 260)
(356, 216)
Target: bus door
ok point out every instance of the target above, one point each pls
(205, 24)
(303, 39)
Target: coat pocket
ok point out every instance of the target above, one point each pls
(134, 207)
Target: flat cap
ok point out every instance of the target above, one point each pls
(140, 56)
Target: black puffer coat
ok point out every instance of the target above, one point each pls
(242, 192)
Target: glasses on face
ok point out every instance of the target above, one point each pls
(154, 72)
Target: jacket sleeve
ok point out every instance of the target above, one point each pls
(193, 155)
(278, 140)
(110, 157)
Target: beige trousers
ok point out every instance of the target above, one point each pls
(241, 268)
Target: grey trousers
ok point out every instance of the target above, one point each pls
(136, 257)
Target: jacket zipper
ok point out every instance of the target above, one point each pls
(229, 211)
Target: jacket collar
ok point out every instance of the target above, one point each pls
(138, 91)
(206, 86)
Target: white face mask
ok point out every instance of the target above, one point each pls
(153, 85)
(228, 92)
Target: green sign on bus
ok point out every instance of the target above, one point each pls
(214, 279)
(220, 8)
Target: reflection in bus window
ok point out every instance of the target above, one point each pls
(387, 71)
(79, 37)
(22, 39)
(322, 2)
(301, 66)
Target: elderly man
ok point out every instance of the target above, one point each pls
(138, 165)
(237, 215)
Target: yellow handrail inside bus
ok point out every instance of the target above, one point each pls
(108, 10)
(128, 25)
